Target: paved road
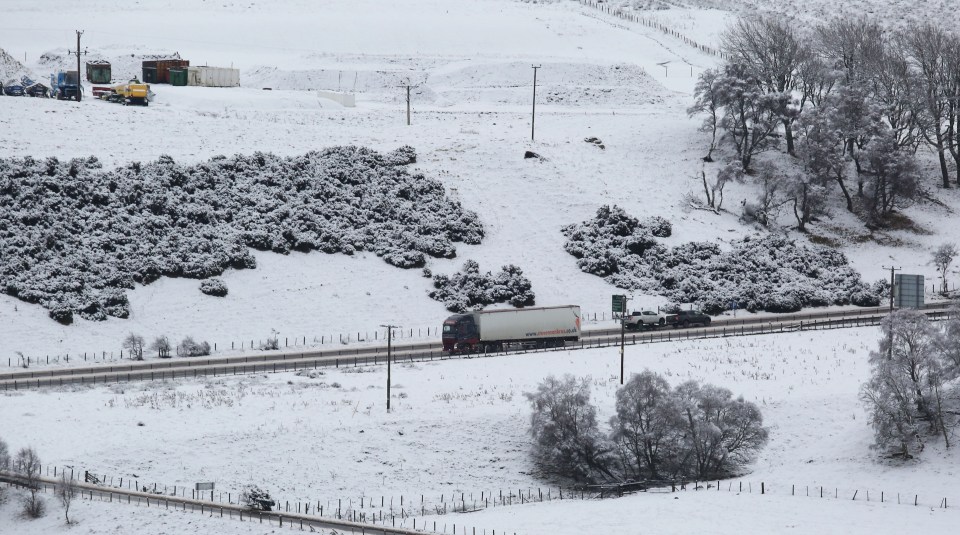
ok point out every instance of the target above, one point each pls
(278, 361)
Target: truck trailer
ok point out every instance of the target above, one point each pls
(495, 330)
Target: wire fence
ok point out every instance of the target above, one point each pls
(633, 17)
(432, 352)
(397, 512)
(422, 515)
(261, 344)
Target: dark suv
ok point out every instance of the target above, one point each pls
(686, 318)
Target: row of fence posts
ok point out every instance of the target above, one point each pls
(617, 12)
(644, 339)
(486, 499)
(104, 356)
(351, 513)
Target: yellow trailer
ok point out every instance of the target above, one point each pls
(132, 92)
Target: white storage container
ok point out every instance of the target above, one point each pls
(213, 76)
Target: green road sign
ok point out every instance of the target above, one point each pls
(619, 304)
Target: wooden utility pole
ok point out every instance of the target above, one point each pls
(892, 283)
(408, 86)
(890, 324)
(79, 33)
(78, 53)
(533, 117)
(390, 329)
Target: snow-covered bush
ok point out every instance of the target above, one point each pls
(190, 348)
(255, 498)
(74, 236)
(471, 290)
(768, 272)
(215, 287)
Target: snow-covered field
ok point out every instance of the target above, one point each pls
(460, 427)
(463, 423)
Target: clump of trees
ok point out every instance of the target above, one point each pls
(913, 395)
(850, 101)
(469, 289)
(692, 431)
(769, 273)
(74, 237)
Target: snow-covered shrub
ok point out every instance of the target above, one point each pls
(74, 236)
(215, 287)
(190, 348)
(768, 272)
(470, 290)
(255, 498)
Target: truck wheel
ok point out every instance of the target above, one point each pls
(661, 322)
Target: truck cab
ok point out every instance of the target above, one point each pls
(460, 333)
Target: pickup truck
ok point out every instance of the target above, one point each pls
(686, 318)
(644, 318)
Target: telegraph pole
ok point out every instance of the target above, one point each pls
(892, 283)
(390, 329)
(407, 86)
(79, 33)
(533, 116)
(620, 305)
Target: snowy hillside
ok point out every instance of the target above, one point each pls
(611, 128)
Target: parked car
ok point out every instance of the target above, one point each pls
(686, 318)
(13, 88)
(644, 318)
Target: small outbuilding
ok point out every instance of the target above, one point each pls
(99, 72)
(213, 76)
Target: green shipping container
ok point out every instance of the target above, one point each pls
(149, 75)
(178, 76)
(98, 73)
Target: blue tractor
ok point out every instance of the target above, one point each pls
(66, 85)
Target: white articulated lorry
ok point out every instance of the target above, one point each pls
(493, 330)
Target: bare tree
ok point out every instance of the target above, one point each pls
(714, 189)
(894, 177)
(4, 466)
(162, 346)
(898, 392)
(850, 45)
(707, 101)
(66, 491)
(942, 258)
(929, 49)
(751, 116)
(567, 441)
(27, 465)
(721, 434)
(646, 425)
(775, 52)
(134, 346)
